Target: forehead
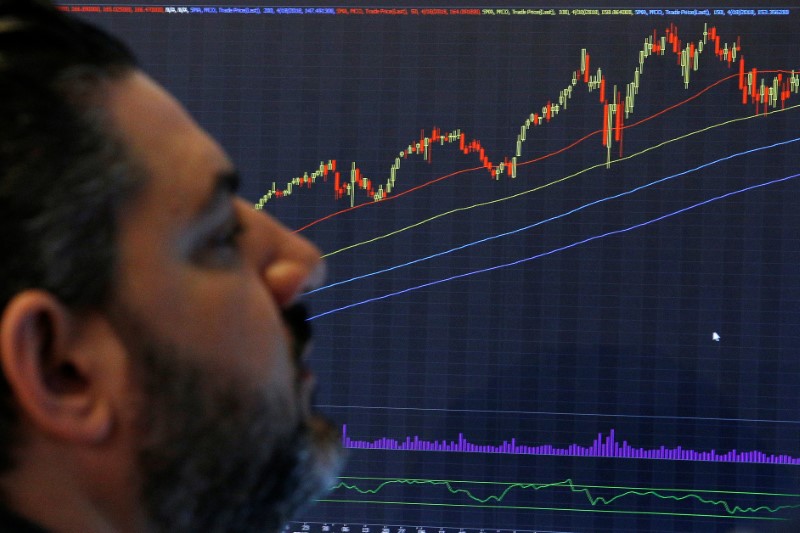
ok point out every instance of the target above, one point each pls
(180, 160)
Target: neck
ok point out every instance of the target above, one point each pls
(65, 490)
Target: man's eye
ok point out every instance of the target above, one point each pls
(221, 248)
(228, 238)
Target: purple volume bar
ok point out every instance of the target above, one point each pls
(601, 447)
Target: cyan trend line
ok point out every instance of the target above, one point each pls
(560, 249)
(556, 217)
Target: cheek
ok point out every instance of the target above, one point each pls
(239, 328)
(227, 318)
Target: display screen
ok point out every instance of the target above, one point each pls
(563, 246)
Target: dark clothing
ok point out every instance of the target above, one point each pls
(13, 523)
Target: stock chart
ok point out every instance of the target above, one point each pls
(562, 240)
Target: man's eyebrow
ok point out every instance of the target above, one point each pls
(226, 184)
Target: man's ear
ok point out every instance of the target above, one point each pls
(54, 383)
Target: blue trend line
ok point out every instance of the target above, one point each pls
(556, 217)
(560, 249)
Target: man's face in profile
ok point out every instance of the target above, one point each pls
(221, 422)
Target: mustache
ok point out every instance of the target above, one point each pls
(296, 318)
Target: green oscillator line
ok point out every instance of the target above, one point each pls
(594, 501)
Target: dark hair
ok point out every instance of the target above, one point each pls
(63, 171)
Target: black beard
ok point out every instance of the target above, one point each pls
(220, 456)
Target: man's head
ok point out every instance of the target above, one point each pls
(150, 348)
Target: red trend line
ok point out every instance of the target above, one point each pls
(437, 180)
(398, 195)
(523, 163)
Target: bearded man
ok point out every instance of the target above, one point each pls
(152, 347)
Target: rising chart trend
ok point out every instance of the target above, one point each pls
(550, 219)
(581, 242)
(758, 90)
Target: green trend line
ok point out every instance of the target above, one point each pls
(601, 165)
(677, 495)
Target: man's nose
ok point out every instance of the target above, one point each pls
(297, 271)
(289, 263)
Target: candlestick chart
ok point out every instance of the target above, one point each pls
(762, 92)
(562, 243)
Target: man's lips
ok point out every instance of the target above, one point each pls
(299, 328)
(296, 319)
